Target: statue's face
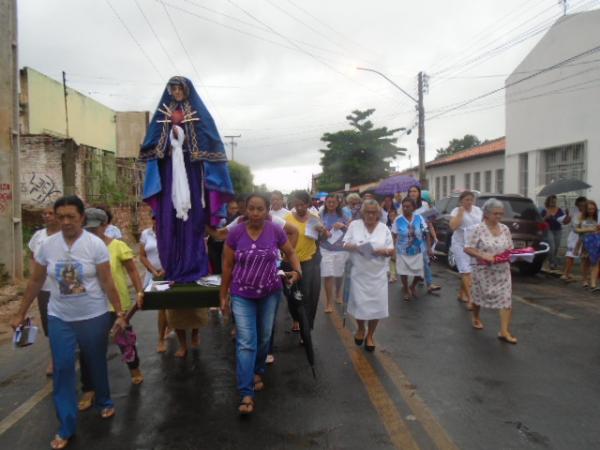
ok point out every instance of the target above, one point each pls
(178, 93)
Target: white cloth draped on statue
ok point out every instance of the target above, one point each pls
(180, 189)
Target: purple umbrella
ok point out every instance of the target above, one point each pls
(398, 183)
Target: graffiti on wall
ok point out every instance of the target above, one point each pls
(5, 197)
(40, 188)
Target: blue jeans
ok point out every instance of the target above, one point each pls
(427, 270)
(254, 325)
(91, 336)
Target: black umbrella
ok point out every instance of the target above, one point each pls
(563, 186)
(296, 304)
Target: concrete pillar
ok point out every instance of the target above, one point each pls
(11, 246)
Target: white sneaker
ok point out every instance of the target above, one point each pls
(270, 359)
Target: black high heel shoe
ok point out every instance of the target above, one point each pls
(369, 348)
(358, 342)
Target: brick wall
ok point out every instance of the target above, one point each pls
(41, 170)
(132, 222)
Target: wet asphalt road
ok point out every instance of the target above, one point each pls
(433, 382)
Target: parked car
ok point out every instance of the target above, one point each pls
(521, 216)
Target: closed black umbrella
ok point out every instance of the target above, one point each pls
(296, 304)
(563, 186)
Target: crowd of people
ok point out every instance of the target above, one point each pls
(81, 270)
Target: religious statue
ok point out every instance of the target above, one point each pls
(187, 179)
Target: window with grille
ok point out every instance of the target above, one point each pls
(487, 179)
(445, 186)
(500, 181)
(561, 163)
(467, 181)
(437, 188)
(477, 181)
(452, 183)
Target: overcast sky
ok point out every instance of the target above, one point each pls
(283, 72)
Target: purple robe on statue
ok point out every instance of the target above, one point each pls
(181, 246)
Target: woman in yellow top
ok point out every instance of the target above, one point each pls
(121, 264)
(309, 229)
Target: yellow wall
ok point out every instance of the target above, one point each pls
(90, 123)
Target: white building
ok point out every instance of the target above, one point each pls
(479, 168)
(553, 115)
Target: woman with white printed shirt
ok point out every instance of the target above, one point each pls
(77, 266)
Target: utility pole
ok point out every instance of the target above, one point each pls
(11, 258)
(232, 143)
(422, 87)
(421, 138)
(66, 106)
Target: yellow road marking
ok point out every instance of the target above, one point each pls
(390, 416)
(24, 408)
(435, 431)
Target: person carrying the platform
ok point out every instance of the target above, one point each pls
(250, 276)
(77, 265)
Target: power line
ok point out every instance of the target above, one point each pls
(168, 55)
(134, 39)
(191, 61)
(514, 83)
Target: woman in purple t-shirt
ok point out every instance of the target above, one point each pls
(250, 275)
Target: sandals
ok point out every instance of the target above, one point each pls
(296, 328)
(246, 406)
(508, 339)
(58, 442)
(328, 310)
(433, 288)
(108, 413)
(86, 402)
(477, 324)
(161, 347)
(136, 376)
(259, 384)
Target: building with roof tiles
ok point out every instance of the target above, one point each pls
(479, 168)
(553, 109)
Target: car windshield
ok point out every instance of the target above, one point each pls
(516, 208)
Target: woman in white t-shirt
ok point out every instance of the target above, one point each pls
(464, 218)
(151, 261)
(51, 227)
(76, 264)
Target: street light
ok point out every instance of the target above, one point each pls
(421, 110)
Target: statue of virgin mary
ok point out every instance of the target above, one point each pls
(187, 179)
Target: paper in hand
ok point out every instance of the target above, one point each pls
(311, 228)
(366, 249)
(336, 235)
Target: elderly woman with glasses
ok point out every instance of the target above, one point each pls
(492, 286)
(370, 244)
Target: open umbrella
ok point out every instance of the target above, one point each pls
(296, 303)
(397, 183)
(562, 186)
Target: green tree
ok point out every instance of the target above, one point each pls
(358, 155)
(241, 177)
(456, 145)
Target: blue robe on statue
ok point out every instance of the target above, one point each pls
(181, 243)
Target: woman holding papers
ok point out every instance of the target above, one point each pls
(492, 286)
(333, 255)
(410, 232)
(309, 229)
(424, 209)
(370, 244)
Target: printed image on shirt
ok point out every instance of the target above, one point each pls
(69, 275)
